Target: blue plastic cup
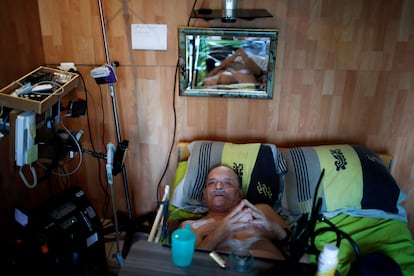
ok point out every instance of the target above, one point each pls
(182, 246)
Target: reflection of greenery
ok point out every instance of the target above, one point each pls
(225, 43)
(201, 61)
(215, 49)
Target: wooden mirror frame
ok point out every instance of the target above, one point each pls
(244, 62)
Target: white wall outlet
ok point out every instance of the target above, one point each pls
(66, 66)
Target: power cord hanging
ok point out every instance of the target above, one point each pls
(339, 236)
(24, 179)
(303, 233)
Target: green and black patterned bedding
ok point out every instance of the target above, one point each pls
(359, 194)
(390, 237)
(356, 182)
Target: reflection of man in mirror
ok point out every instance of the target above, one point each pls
(238, 68)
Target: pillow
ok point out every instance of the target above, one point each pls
(355, 182)
(257, 164)
(175, 213)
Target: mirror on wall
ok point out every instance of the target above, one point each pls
(226, 62)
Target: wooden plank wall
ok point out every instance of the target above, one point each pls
(18, 56)
(345, 73)
(21, 50)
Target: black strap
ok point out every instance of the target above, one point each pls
(304, 235)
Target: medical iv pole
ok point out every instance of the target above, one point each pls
(118, 132)
(115, 111)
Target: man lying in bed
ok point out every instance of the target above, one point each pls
(233, 222)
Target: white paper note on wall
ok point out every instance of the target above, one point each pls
(149, 36)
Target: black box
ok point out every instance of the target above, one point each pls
(61, 237)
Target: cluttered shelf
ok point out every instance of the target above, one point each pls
(38, 90)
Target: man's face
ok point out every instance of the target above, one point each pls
(223, 191)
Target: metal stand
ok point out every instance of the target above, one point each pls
(115, 111)
(110, 149)
(116, 255)
(109, 157)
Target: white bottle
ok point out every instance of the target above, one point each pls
(328, 260)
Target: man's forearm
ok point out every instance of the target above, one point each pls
(278, 231)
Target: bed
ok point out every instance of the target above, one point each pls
(358, 194)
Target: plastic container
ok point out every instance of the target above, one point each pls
(241, 260)
(182, 245)
(328, 260)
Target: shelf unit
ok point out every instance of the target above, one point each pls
(68, 82)
(245, 14)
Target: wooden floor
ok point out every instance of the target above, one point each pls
(113, 250)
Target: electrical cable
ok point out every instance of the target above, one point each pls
(307, 244)
(174, 133)
(48, 93)
(339, 235)
(177, 66)
(24, 179)
(192, 9)
(107, 200)
(75, 140)
(72, 138)
(103, 187)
